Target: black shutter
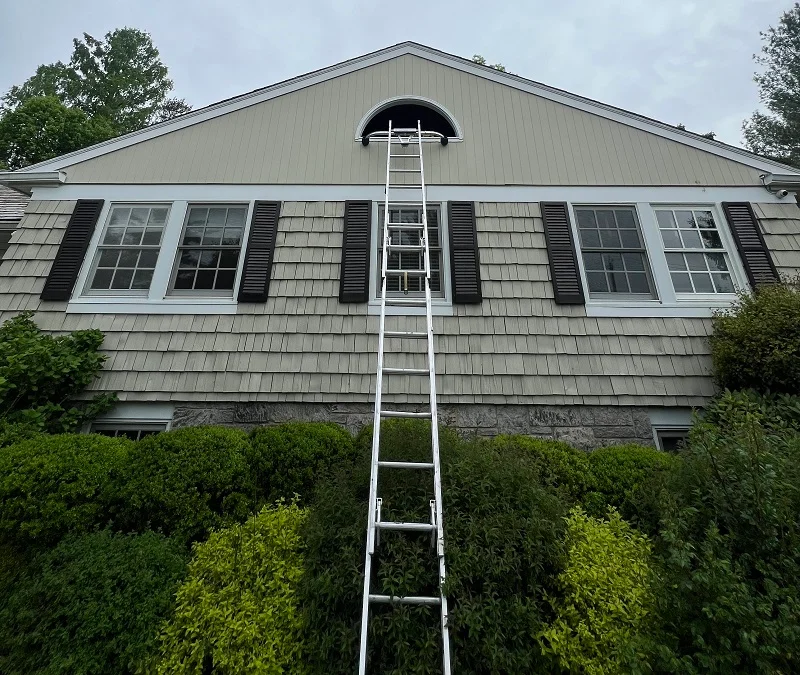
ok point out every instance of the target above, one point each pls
(465, 272)
(750, 242)
(354, 276)
(260, 252)
(72, 251)
(564, 271)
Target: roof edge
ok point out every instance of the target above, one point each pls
(256, 96)
(26, 181)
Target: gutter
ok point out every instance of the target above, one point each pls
(25, 182)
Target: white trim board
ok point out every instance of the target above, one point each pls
(411, 48)
(435, 193)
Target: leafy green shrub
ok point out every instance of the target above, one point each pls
(606, 597)
(91, 605)
(289, 458)
(624, 477)
(731, 410)
(14, 432)
(504, 543)
(756, 344)
(186, 482)
(238, 609)
(51, 485)
(39, 375)
(559, 465)
(730, 554)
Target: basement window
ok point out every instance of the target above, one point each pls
(136, 431)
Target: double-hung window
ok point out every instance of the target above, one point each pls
(209, 249)
(128, 250)
(696, 256)
(409, 261)
(613, 251)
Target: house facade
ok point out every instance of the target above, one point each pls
(230, 255)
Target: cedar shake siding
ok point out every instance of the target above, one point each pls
(516, 347)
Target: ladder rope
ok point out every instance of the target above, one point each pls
(374, 524)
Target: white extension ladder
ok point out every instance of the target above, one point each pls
(392, 242)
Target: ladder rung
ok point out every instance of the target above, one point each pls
(404, 334)
(405, 302)
(405, 247)
(405, 599)
(405, 465)
(406, 371)
(411, 273)
(405, 413)
(403, 156)
(407, 527)
(405, 187)
(405, 226)
(404, 170)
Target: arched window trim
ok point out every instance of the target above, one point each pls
(418, 100)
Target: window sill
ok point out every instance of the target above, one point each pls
(438, 308)
(106, 305)
(687, 309)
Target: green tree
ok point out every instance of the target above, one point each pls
(42, 127)
(120, 78)
(776, 134)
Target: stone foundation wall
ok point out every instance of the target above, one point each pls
(582, 426)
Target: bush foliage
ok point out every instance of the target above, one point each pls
(605, 600)
(288, 459)
(40, 374)
(504, 538)
(52, 485)
(186, 482)
(756, 345)
(92, 605)
(238, 610)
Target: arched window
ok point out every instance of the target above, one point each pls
(404, 112)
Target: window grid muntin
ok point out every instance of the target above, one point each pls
(409, 260)
(128, 249)
(621, 242)
(209, 252)
(694, 263)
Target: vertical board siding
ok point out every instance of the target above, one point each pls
(302, 344)
(510, 138)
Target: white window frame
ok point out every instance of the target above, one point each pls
(442, 306)
(158, 299)
(135, 414)
(667, 302)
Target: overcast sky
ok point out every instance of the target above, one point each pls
(675, 60)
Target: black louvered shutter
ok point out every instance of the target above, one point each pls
(354, 276)
(465, 271)
(750, 242)
(260, 252)
(566, 276)
(72, 251)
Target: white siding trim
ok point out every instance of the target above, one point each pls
(421, 51)
(602, 194)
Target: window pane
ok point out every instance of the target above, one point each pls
(184, 279)
(593, 261)
(209, 258)
(138, 217)
(205, 279)
(723, 283)
(216, 217)
(671, 239)
(625, 219)
(119, 216)
(618, 283)
(157, 217)
(212, 236)
(711, 239)
(682, 283)
(236, 217)
(122, 279)
(633, 261)
(676, 261)
(685, 219)
(702, 283)
(190, 258)
(232, 236)
(605, 219)
(225, 279)
(133, 236)
(590, 238)
(142, 279)
(716, 261)
(585, 218)
(152, 237)
(691, 239)
(102, 279)
(630, 239)
(197, 216)
(665, 219)
(148, 258)
(113, 236)
(597, 282)
(128, 258)
(108, 258)
(612, 261)
(229, 258)
(705, 219)
(638, 282)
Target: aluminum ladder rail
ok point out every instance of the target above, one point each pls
(404, 137)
